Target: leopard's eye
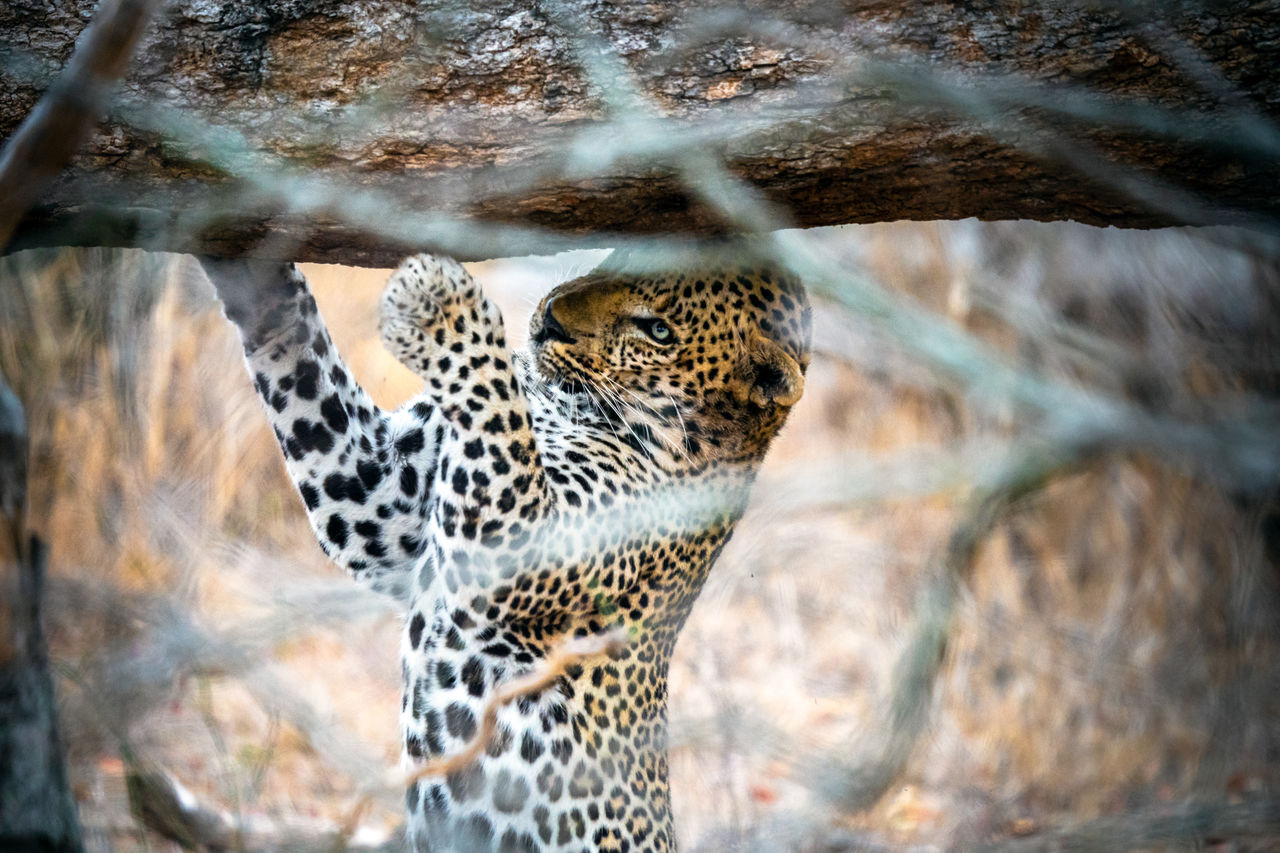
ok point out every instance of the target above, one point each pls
(656, 329)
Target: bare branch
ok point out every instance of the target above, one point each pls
(570, 653)
(868, 770)
(1185, 825)
(166, 807)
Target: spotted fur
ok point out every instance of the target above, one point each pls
(586, 483)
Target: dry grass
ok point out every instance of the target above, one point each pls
(1114, 648)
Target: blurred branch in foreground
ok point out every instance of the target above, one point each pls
(43, 145)
(857, 781)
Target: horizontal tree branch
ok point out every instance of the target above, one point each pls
(1108, 113)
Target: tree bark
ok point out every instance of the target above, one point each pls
(355, 124)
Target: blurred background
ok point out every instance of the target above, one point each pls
(1107, 657)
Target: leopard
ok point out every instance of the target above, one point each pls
(582, 484)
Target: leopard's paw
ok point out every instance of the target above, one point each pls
(432, 306)
(262, 298)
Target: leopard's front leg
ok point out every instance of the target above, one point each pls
(363, 473)
(493, 506)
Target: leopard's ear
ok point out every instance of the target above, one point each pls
(775, 376)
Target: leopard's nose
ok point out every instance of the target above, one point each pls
(551, 328)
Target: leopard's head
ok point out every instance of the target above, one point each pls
(713, 359)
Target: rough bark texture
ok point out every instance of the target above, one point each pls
(1135, 114)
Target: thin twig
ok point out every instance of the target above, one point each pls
(570, 653)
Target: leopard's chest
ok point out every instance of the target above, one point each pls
(573, 767)
(582, 764)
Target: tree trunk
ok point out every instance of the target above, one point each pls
(355, 125)
(37, 811)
